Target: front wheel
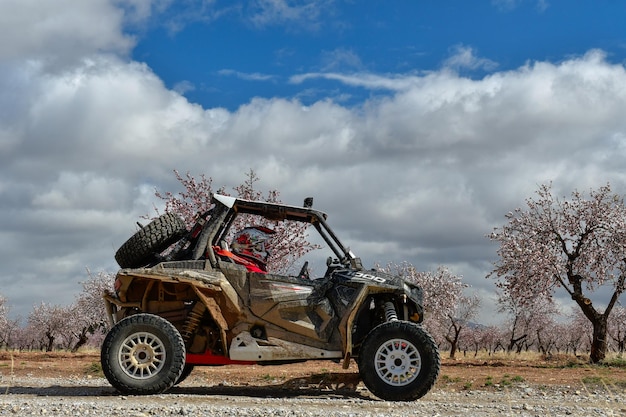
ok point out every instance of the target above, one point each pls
(399, 361)
(143, 354)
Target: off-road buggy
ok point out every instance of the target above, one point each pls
(177, 305)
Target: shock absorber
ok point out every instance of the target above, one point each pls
(192, 322)
(390, 311)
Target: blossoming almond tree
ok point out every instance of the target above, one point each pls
(442, 290)
(459, 319)
(526, 318)
(288, 244)
(4, 322)
(447, 310)
(617, 328)
(88, 313)
(577, 245)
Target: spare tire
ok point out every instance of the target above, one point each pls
(152, 239)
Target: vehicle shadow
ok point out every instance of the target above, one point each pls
(59, 391)
(296, 387)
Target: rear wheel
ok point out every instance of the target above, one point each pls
(399, 361)
(152, 239)
(143, 354)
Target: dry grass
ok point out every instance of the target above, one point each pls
(497, 371)
(11, 366)
(502, 370)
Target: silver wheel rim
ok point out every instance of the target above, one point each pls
(398, 362)
(142, 355)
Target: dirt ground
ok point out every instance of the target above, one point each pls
(463, 373)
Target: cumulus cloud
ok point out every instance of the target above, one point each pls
(184, 87)
(419, 173)
(60, 32)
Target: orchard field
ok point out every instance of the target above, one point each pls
(465, 373)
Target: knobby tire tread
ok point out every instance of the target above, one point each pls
(175, 360)
(431, 362)
(152, 239)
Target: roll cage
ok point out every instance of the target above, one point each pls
(227, 208)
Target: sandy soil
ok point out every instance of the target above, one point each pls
(464, 373)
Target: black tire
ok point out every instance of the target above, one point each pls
(186, 372)
(143, 354)
(399, 361)
(152, 239)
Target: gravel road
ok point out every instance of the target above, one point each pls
(83, 396)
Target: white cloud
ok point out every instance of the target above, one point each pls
(394, 82)
(463, 57)
(255, 76)
(508, 5)
(420, 173)
(340, 59)
(184, 87)
(60, 31)
(84, 190)
(296, 15)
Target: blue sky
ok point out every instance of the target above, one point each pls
(416, 125)
(238, 56)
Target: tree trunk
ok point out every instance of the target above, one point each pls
(82, 340)
(598, 344)
(599, 323)
(514, 342)
(454, 340)
(453, 347)
(454, 343)
(50, 344)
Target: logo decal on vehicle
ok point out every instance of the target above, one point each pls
(369, 277)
